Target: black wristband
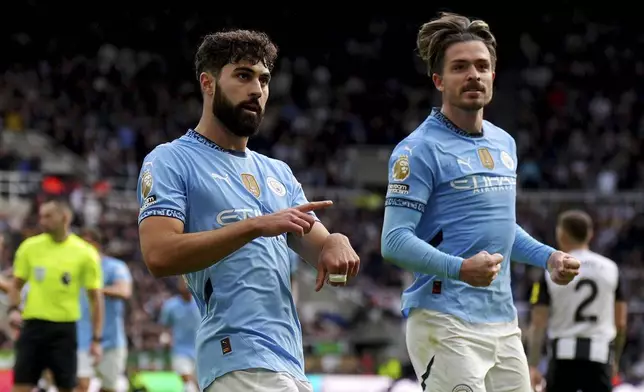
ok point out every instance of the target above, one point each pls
(97, 339)
(12, 308)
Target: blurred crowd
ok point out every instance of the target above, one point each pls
(567, 90)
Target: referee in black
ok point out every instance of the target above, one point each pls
(57, 265)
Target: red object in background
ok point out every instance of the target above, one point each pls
(617, 380)
(102, 188)
(53, 185)
(6, 380)
(367, 364)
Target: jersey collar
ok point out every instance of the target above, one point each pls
(437, 114)
(192, 134)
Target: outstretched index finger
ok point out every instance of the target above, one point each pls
(314, 206)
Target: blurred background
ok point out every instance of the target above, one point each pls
(86, 93)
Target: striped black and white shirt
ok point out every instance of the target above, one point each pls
(582, 313)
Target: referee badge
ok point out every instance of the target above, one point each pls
(66, 278)
(250, 184)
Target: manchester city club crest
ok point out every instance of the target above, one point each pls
(275, 186)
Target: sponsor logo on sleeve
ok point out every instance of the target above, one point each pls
(398, 189)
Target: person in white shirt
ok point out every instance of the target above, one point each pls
(586, 324)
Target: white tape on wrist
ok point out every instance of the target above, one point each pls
(337, 278)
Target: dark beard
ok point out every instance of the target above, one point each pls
(237, 120)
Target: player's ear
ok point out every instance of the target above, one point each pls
(68, 216)
(438, 82)
(207, 83)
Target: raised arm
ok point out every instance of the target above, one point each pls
(562, 267)
(527, 250)
(167, 250)
(410, 186)
(331, 254)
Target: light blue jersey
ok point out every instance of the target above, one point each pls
(294, 260)
(450, 196)
(183, 318)
(114, 270)
(248, 314)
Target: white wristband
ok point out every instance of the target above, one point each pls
(337, 278)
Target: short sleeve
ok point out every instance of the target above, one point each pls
(410, 176)
(92, 273)
(294, 261)
(539, 294)
(21, 267)
(298, 197)
(161, 188)
(165, 316)
(121, 273)
(619, 290)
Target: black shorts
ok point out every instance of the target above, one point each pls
(570, 375)
(46, 345)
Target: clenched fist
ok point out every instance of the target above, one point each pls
(337, 257)
(481, 269)
(563, 267)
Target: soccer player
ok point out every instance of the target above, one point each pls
(450, 219)
(181, 314)
(586, 324)
(220, 213)
(56, 264)
(117, 288)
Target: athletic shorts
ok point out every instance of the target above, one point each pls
(256, 380)
(46, 345)
(572, 375)
(183, 365)
(451, 355)
(109, 370)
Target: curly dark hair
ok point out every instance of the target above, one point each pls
(226, 47)
(439, 34)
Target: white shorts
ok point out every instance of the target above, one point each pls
(85, 366)
(183, 365)
(109, 370)
(258, 380)
(455, 356)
